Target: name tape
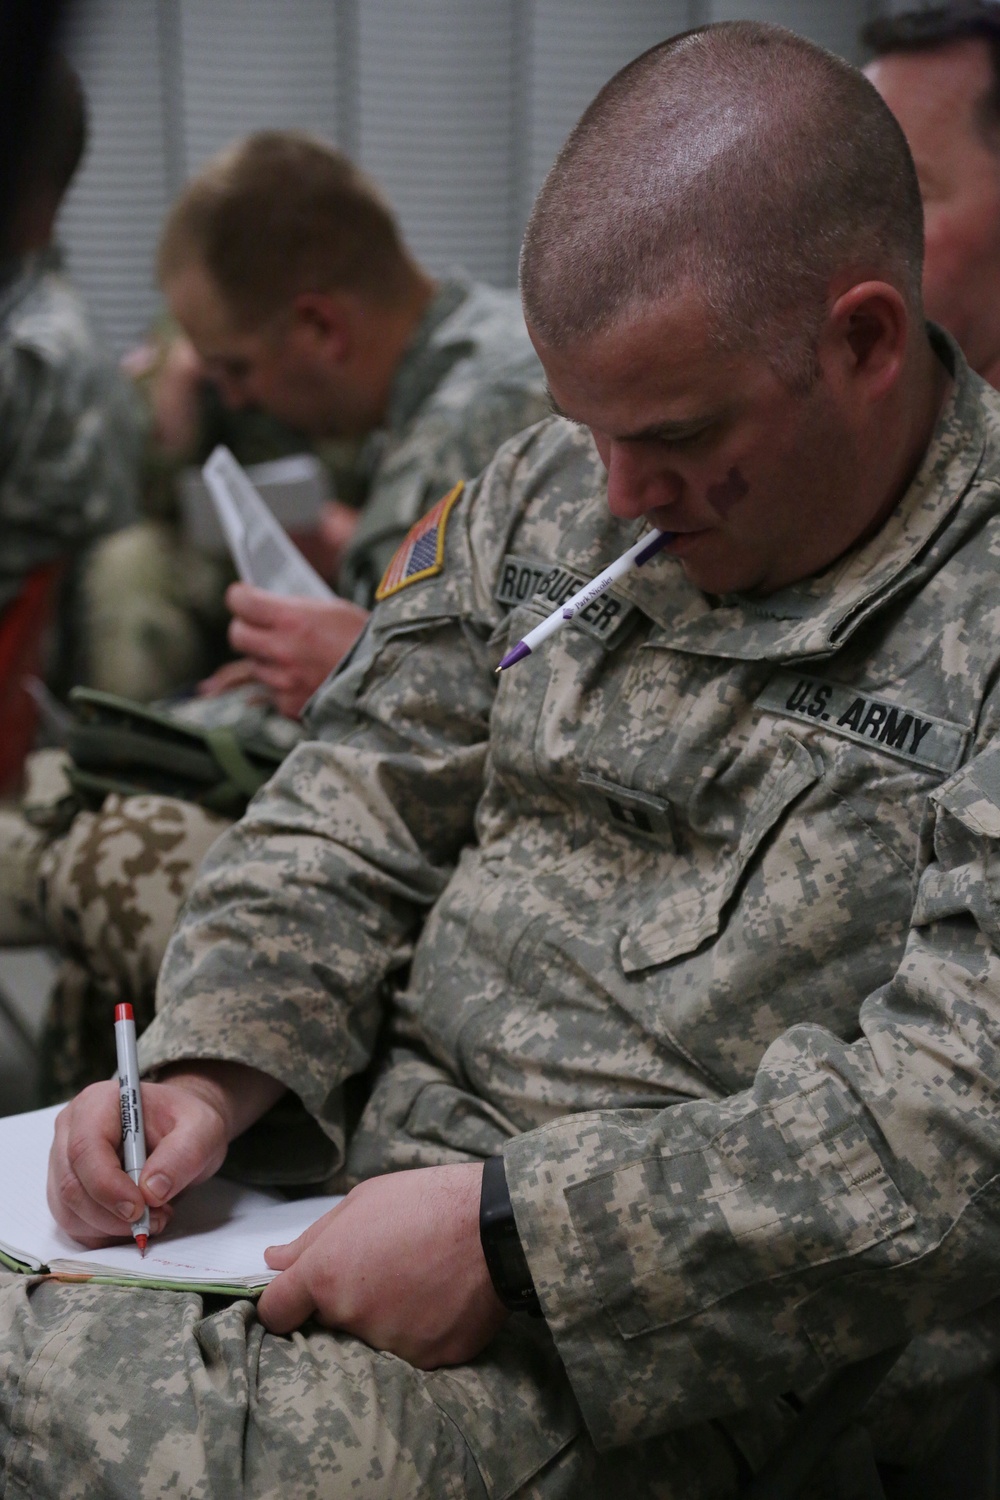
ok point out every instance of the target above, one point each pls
(523, 578)
(906, 732)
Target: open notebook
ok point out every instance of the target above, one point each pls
(215, 1243)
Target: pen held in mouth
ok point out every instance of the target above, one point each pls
(639, 553)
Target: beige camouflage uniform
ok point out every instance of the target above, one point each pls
(111, 889)
(695, 915)
(69, 433)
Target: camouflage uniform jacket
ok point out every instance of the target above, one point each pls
(468, 381)
(695, 913)
(69, 435)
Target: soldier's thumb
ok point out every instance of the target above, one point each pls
(190, 1152)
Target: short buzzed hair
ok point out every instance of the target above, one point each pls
(942, 26)
(739, 160)
(57, 136)
(282, 213)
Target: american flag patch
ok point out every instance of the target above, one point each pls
(421, 555)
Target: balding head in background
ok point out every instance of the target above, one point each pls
(281, 213)
(721, 275)
(939, 72)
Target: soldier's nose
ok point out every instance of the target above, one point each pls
(635, 485)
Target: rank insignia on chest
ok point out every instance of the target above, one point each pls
(421, 554)
(641, 813)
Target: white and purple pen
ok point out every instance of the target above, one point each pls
(640, 552)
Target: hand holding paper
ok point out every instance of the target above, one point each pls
(262, 550)
(289, 646)
(291, 628)
(398, 1262)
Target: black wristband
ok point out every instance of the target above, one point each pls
(505, 1258)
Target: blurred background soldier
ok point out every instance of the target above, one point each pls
(287, 273)
(939, 72)
(69, 431)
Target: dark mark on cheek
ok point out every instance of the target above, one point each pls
(722, 497)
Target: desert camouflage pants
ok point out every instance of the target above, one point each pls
(106, 893)
(137, 1394)
(111, 890)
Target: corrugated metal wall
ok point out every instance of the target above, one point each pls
(455, 107)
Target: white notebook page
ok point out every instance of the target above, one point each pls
(218, 1235)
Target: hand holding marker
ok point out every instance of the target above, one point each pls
(133, 1131)
(640, 552)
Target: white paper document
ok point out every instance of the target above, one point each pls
(216, 1239)
(294, 489)
(262, 550)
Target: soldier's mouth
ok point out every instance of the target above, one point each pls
(683, 541)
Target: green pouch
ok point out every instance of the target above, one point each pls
(116, 745)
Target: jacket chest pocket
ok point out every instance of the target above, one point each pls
(688, 907)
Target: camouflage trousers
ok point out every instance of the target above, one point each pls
(106, 893)
(136, 1394)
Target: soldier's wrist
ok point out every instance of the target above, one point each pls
(502, 1248)
(238, 1093)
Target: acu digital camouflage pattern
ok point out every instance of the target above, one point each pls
(108, 1391)
(69, 435)
(719, 977)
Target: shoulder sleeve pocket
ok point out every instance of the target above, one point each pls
(972, 795)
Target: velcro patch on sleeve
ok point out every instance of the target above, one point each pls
(421, 553)
(891, 727)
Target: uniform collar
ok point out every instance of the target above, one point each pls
(427, 359)
(818, 615)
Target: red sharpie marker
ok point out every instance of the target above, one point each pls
(133, 1131)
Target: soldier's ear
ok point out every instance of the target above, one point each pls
(867, 333)
(323, 319)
